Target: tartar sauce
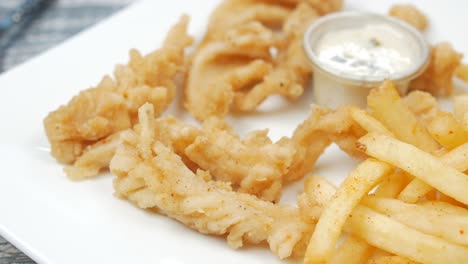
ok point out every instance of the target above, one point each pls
(376, 50)
(352, 52)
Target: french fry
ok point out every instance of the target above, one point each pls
(456, 158)
(368, 122)
(352, 251)
(445, 208)
(383, 232)
(393, 184)
(460, 107)
(391, 260)
(444, 198)
(451, 227)
(388, 107)
(418, 163)
(328, 228)
(447, 130)
(392, 236)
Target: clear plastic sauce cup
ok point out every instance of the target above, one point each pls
(352, 52)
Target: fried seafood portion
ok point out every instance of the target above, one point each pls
(410, 14)
(152, 176)
(235, 60)
(233, 13)
(317, 132)
(324, 7)
(462, 72)
(291, 68)
(253, 165)
(99, 112)
(252, 50)
(437, 78)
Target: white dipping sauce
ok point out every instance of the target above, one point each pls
(352, 52)
(374, 50)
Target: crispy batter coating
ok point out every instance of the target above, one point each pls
(255, 165)
(94, 158)
(233, 13)
(410, 14)
(251, 165)
(241, 53)
(437, 79)
(253, 49)
(325, 6)
(320, 129)
(462, 72)
(291, 67)
(152, 176)
(111, 106)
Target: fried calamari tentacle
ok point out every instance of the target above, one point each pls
(94, 158)
(255, 165)
(292, 69)
(437, 79)
(112, 105)
(161, 180)
(317, 132)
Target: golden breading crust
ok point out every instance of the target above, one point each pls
(244, 57)
(255, 165)
(111, 106)
(410, 14)
(437, 79)
(320, 129)
(152, 176)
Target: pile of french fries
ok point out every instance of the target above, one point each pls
(407, 202)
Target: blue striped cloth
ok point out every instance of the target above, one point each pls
(61, 20)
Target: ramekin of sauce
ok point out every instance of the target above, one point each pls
(352, 52)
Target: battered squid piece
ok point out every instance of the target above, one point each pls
(111, 106)
(242, 53)
(410, 14)
(324, 7)
(94, 158)
(291, 68)
(152, 176)
(227, 73)
(317, 132)
(232, 13)
(253, 165)
(437, 78)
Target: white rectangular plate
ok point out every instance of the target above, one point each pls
(54, 220)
